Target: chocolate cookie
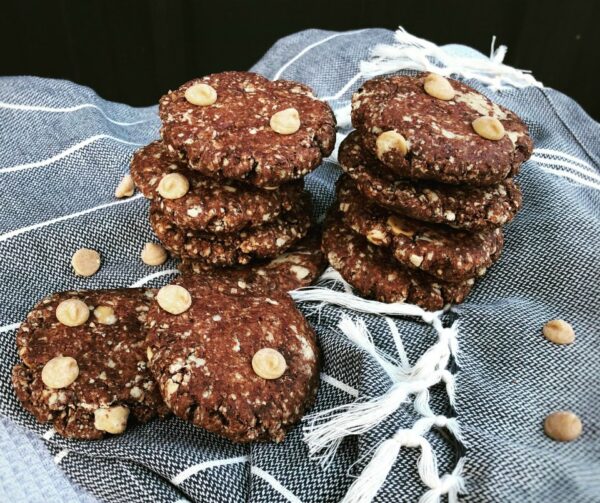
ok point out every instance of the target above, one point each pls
(96, 369)
(299, 267)
(247, 127)
(265, 241)
(375, 274)
(461, 207)
(209, 205)
(446, 253)
(438, 137)
(205, 362)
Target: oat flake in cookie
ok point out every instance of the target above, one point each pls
(461, 207)
(111, 385)
(203, 361)
(265, 241)
(234, 137)
(209, 205)
(375, 274)
(446, 253)
(442, 144)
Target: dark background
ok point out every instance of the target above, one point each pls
(133, 51)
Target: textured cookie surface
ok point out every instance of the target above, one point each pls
(202, 360)
(375, 273)
(111, 361)
(210, 205)
(446, 253)
(458, 206)
(233, 138)
(442, 144)
(300, 266)
(265, 241)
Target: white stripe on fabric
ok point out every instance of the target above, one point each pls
(347, 86)
(575, 178)
(565, 164)
(60, 456)
(205, 465)
(309, 47)
(65, 153)
(557, 153)
(23, 230)
(150, 277)
(76, 108)
(339, 384)
(274, 483)
(8, 328)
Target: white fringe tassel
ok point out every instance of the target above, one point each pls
(413, 53)
(325, 430)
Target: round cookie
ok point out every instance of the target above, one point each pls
(440, 142)
(375, 274)
(241, 247)
(300, 266)
(111, 359)
(234, 138)
(210, 205)
(471, 208)
(446, 253)
(202, 360)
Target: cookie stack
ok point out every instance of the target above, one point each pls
(426, 190)
(226, 179)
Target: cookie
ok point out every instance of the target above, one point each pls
(209, 205)
(446, 253)
(203, 361)
(462, 207)
(238, 134)
(300, 266)
(110, 374)
(429, 138)
(373, 272)
(241, 247)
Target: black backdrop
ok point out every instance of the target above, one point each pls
(133, 51)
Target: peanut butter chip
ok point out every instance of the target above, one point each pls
(105, 315)
(268, 363)
(85, 262)
(125, 187)
(201, 94)
(439, 87)
(60, 372)
(563, 426)
(153, 254)
(174, 299)
(112, 419)
(559, 332)
(173, 186)
(72, 312)
(285, 121)
(396, 225)
(489, 128)
(391, 140)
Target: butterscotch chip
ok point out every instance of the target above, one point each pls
(105, 315)
(112, 419)
(85, 262)
(173, 186)
(201, 94)
(60, 372)
(439, 87)
(174, 299)
(395, 223)
(125, 187)
(489, 128)
(563, 426)
(72, 312)
(285, 121)
(153, 254)
(391, 140)
(559, 332)
(268, 363)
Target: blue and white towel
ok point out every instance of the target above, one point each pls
(64, 150)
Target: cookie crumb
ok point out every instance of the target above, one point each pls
(125, 187)
(72, 312)
(112, 419)
(105, 315)
(85, 262)
(563, 426)
(153, 254)
(559, 332)
(60, 372)
(268, 363)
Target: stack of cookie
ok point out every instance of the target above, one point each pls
(226, 179)
(426, 190)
